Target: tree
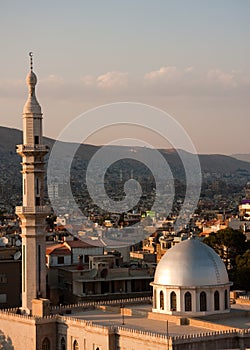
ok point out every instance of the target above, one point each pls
(228, 243)
(242, 271)
(5, 344)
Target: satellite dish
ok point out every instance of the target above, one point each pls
(18, 243)
(17, 255)
(4, 241)
(93, 273)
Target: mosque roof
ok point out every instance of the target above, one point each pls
(191, 263)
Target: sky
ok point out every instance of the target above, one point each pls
(189, 58)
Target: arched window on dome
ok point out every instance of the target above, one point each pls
(46, 344)
(226, 299)
(75, 345)
(63, 344)
(161, 300)
(203, 301)
(188, 301)
(173, 301)
(216, 300)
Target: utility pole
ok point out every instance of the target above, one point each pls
(122, 309)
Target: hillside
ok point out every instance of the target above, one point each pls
(215, 165)
(244, 157)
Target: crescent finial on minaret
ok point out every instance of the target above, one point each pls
(31, 60)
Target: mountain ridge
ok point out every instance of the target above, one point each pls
(10, 137)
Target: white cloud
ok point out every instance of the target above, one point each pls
(107, 80)
(192, 81)
(165, 73)
(112, 79)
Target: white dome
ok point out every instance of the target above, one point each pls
(191, 263)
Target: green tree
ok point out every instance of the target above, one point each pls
(228, 243)
(242, 271)
(5, 343)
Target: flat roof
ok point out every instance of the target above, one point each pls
(113, 317)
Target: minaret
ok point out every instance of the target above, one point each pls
(33, 211)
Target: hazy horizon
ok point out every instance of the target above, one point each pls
(241, 155)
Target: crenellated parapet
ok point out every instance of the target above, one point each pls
(95, 304)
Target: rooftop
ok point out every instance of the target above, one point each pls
(139, 317)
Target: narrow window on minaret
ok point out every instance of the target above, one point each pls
(37, 192)
(24, 186)
(36, 140)
(37, 187)
(39, 269)
(24, 267)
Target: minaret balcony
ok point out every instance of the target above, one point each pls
(25, 149)
(45, 209)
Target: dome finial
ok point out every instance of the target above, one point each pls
(31, 60)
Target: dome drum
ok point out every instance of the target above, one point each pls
(191, 301)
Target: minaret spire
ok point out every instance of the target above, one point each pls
(33, 211)
(32, 106)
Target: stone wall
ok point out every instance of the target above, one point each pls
(28, 332)
(21, 330)
(231, 339)
(87, 334)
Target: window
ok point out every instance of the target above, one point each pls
(173, 301)
(23, 267)
(39, 266)
(3, 278)
(46, 344)
(37, 187)
(161, 300)
(188, 301)
(75, 345)
(226, 299)
(3, 298)
(60, 259)
(216, 300)
(24, 186)
(63, 344)
(203, 301)
(36, 140)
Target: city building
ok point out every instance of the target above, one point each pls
(10, 275)
(77, 271)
